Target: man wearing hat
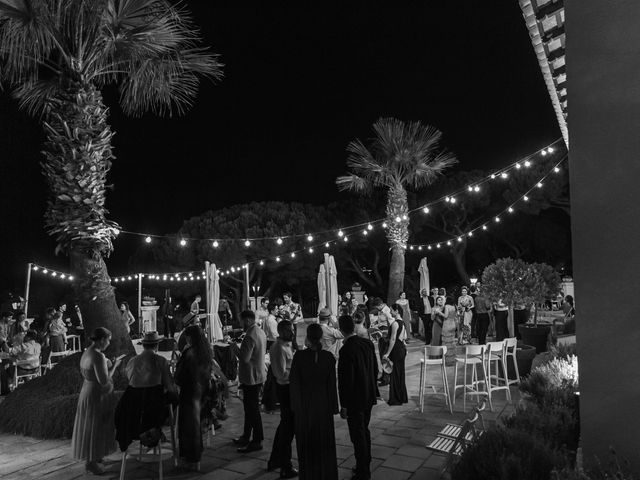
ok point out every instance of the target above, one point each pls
(149, 369)
(330, 336)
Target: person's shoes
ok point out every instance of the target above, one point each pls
(250, 447)
(242, 441)
(272, 466)
(95, 468)
(288, 473)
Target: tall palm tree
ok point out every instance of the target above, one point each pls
(56, 56)
(402, 155)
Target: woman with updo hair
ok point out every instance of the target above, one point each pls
(314, 402)
(94, 430)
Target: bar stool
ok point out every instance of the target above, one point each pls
(434, 356)
(511, 345)
(495, 354)
(473, 357)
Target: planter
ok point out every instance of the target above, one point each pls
(524, 357)
(535, 335)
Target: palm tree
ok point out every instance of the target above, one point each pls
(56, 56)
(402, 155)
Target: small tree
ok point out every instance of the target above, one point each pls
(516, 282)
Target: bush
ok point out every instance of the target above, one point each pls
(45, 407)
(507, 454)
(556, 424)
(614, 470)
(553, 382)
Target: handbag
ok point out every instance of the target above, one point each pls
(387, 366)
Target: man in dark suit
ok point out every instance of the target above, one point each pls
(357, 375)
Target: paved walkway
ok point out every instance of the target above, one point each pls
(399, 435)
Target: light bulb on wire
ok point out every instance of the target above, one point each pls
(215, 244)
(398, 219)
(425, 209)
(539, 185)
(279, 241)
(293, 254)
(183, 242)
(525, 198)
(247, 243)
(556, 169)
(527, 163)
(369, 227)
(340, 233)
(148, 239)
(309, 238)
(277, 259)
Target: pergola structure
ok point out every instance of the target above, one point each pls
(545, 22)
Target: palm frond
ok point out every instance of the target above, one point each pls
(34, 95)
(168, 83)
(353, 183)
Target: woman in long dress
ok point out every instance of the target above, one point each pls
(438, 316)
(406, 313)
(193, 374)
(93, 430)
(396, 352)
(314, 402)
(465, 306)
(450, 324)
(127, 317)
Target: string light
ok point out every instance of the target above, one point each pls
(539, 185)
(484, 227)
(293, 254)
(550, 150)
(527, 163)
(183, 242)
(148, 239)
(326, 245)
(369, 227)
(277, 259)
(405, 217)
(525, 198)
(53, 274)
(544, 153)
(215, 244)
(425, 209)
(261, 262)
(311, 249)
(518, 166)
(247, 243)
(365, 232)
(384, 224)
(476, 189)
(504, 175)
(279, 241)
(340, 233)
(309, 238)
(453, 200)
(510, 210)
(398, 219)
(346, 239)
(556, 169)
(497, 219)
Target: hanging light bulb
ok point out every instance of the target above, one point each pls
(544, 153)
(504, 175)
(510, 209)
(164, 277)
(459, 239)
(405, 217)
(429, 247)
(215, 244)
(45, 271)
(476, 189)
(484, 227)
(171, 279)
(277, 259)
(447, 199)
(340, 233)
(425, 209)
(384, 224)
(539, 185)
(70, 277)
(365, 232)
(183, 242)
(556, 169)
(398, 219)
(222, 274)
(470, 188)
(525, 198)
(115, 280)
(179, 279)
(497, 219)
(129, 278)
(310, 250)
(326, 245)
(346, 239)
(527, 163)
(247, 243)
(518, 166)
(293, 254)
(411, 247)
(279, 241)
(191, 274)
(449, 242)
(438, 245)
(35, 268)
(148, 239)
(470, 234)
(453, 199)
(420, 247)
(261, 262)
(369, 227)
(493, 176)
(550, 150)
(233, 269)
(309, 238)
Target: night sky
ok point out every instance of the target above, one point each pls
(299, 84)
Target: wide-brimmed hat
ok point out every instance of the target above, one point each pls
(151, 338)
(324, 313)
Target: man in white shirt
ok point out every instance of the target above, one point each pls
(330, 336)
(270, 325)
(262, 312)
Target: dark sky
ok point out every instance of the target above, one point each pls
(299, 84)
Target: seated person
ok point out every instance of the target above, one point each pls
(7, 327)
(57, 333)
(142, 410)
(27, 357)
(21, 326)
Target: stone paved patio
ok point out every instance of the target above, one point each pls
(399, 436)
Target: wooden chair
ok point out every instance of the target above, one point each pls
(54, 358)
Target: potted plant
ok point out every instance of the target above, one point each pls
(516, 282)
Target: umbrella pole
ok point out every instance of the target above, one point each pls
(26, 289)
(140, 303)
(246, 286)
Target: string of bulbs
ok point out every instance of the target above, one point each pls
(451, 198)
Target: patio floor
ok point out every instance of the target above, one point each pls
(399, 435)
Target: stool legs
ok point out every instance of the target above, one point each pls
(123, 465)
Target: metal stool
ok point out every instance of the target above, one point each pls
(434, 356)
(473, 356)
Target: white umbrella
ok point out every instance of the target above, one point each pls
(322, 287)
(214, 326)
(425, 284)
(333, 286)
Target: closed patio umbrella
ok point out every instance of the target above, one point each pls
(333, 286)
(214, 326)
(425, 283)
(322, 287)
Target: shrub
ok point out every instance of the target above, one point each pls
(507, 454)
(556, 424)
(553, 382)
(614, 470)
(45, 407)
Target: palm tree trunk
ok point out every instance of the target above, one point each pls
(397, 235)
(396, 274)
(77, 159)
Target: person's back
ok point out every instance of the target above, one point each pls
(148, 369)
(358, 389)
(330, 337)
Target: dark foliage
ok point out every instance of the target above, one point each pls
(45, 407)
